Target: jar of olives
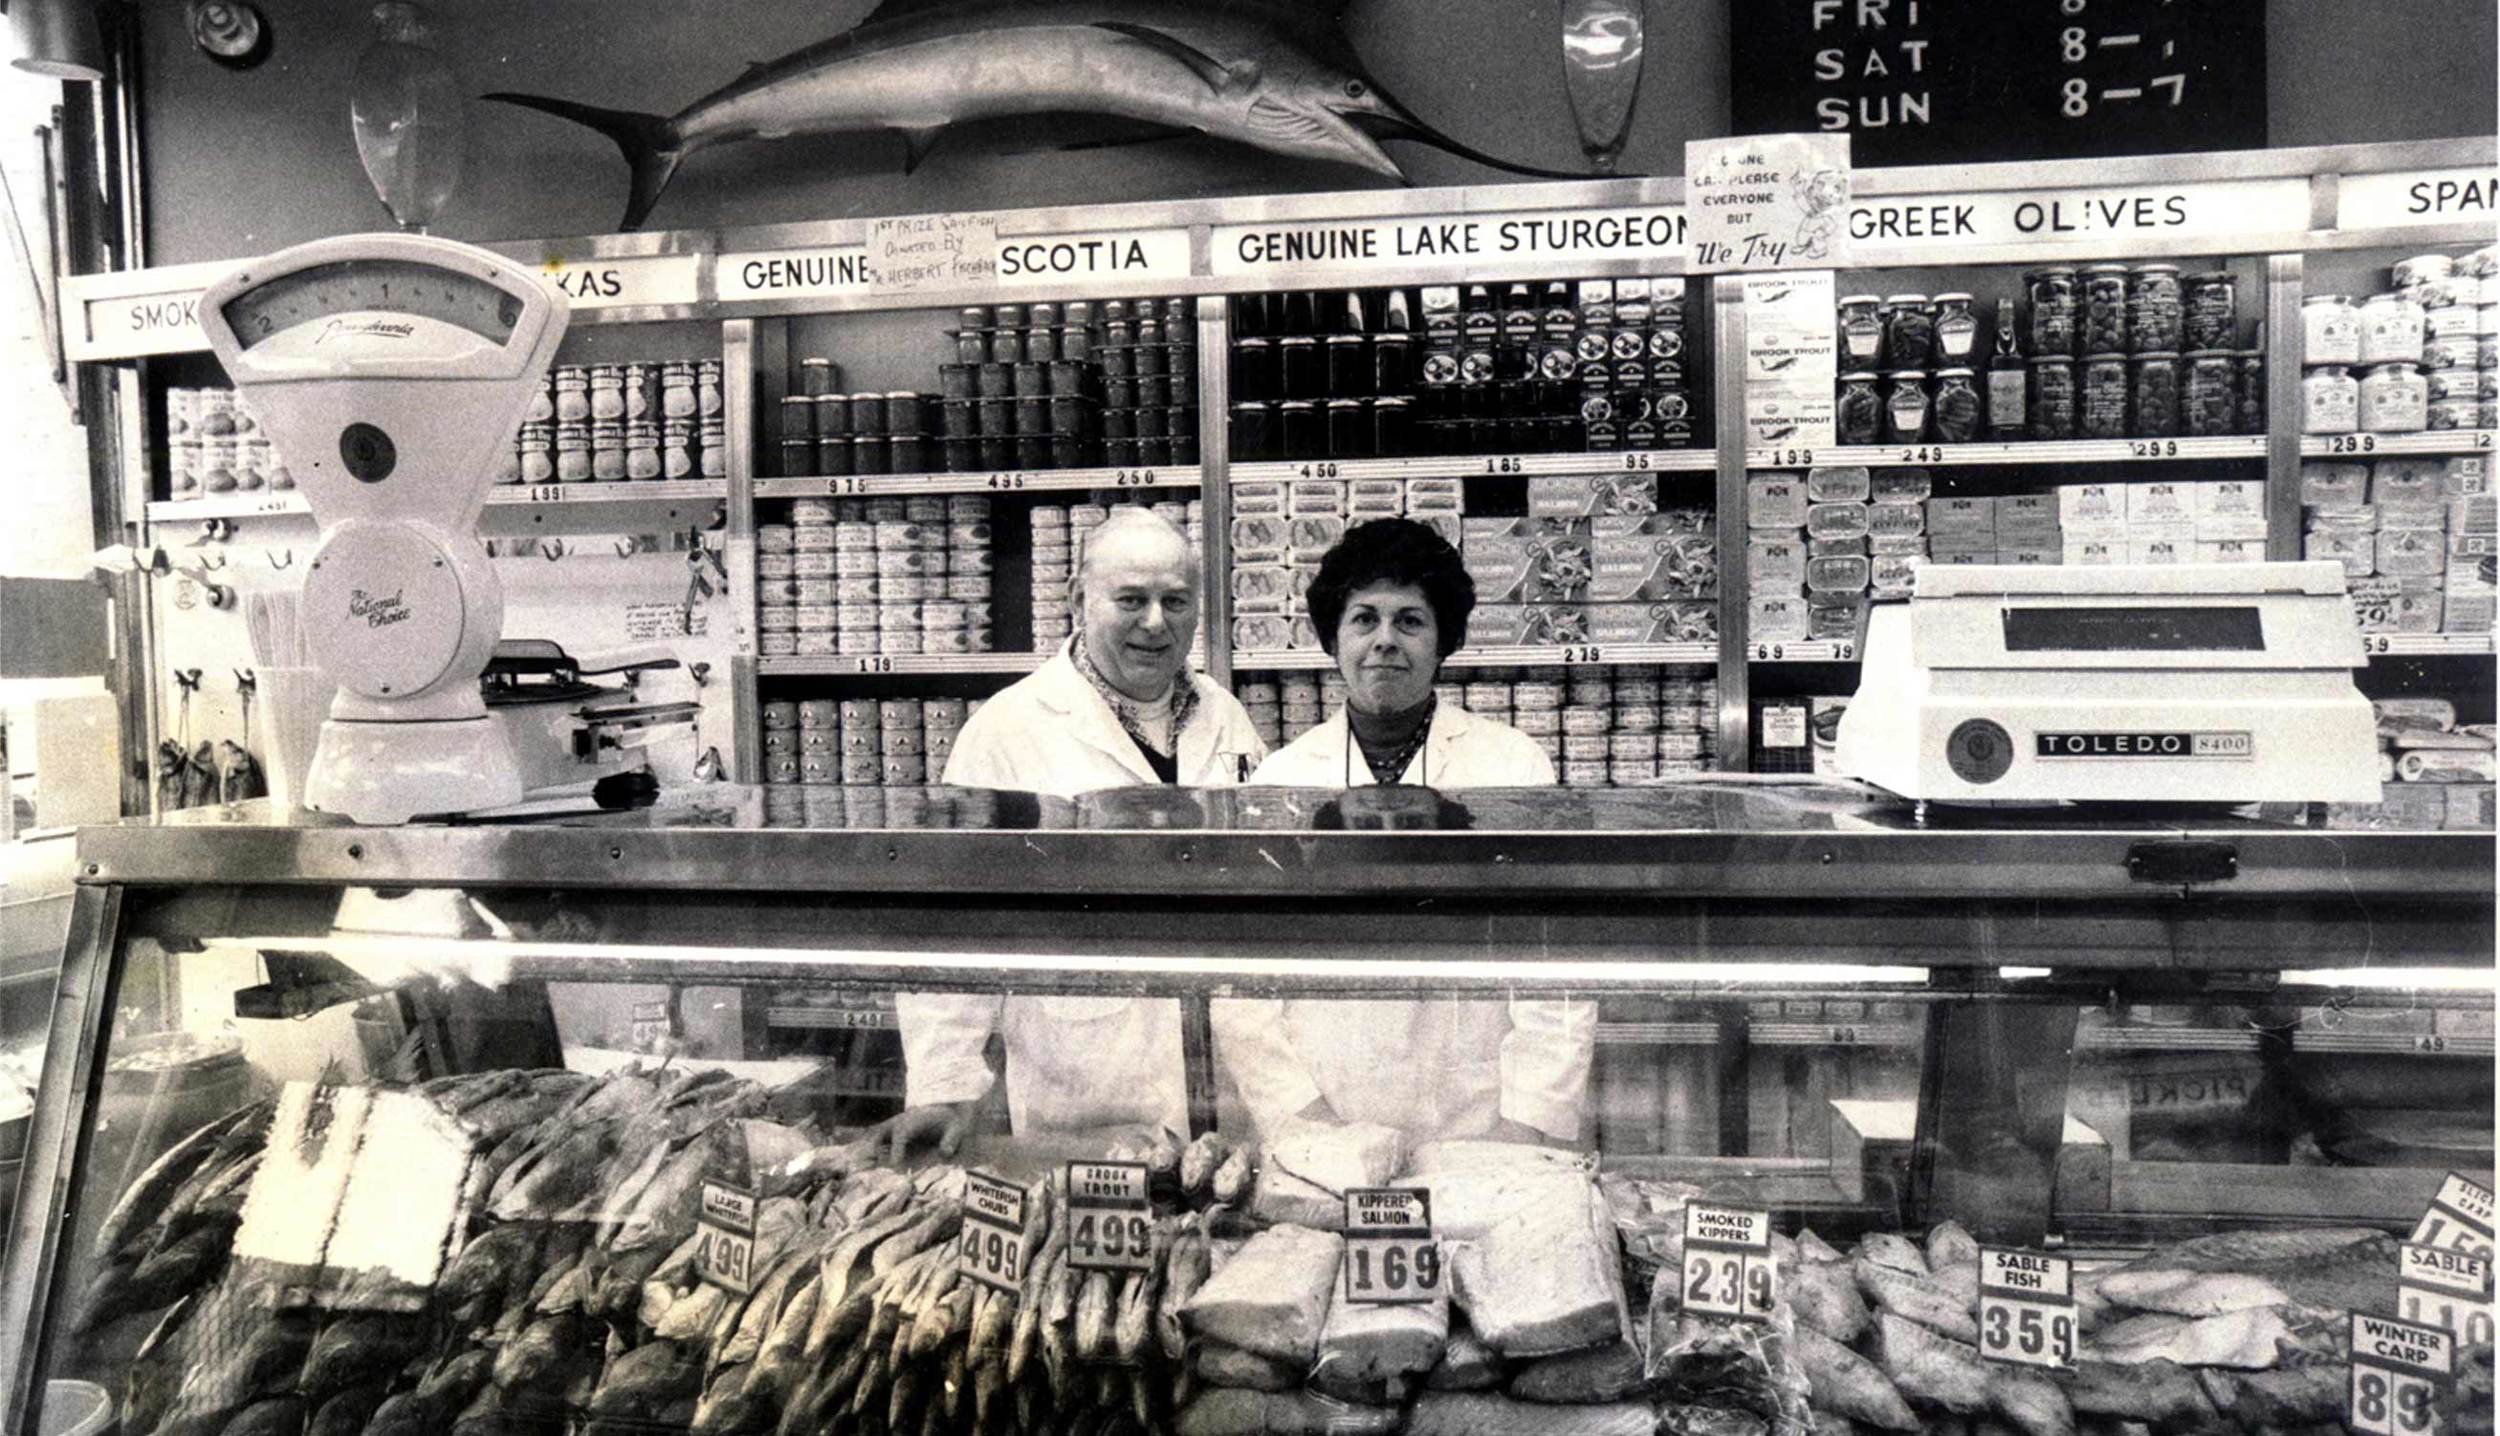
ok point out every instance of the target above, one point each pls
(2102, 409)
(2052, 294)
(2156, 310)
(2104, 328)
(1862, 331)
(1957, 330)
(2211, 399)
(2213, 310)
(2052, 397)
(2156, 397)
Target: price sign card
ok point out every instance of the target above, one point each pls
(1111, 1229)
(2026, 1308)
(1728, 1267)
(1766, 202)
(2459, 1218)
(724, 1252)
(2401, 1372)
(1390, 1256)
(2441, 1287)
(992, 1251)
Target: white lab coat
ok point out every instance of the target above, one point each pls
(1072, 1062)
(1463, 751)
(1435, 1067)
(1051, 732)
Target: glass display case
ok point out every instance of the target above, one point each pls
(1239, 1121)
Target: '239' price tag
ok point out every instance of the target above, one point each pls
(991, 1250)
(2026, 1308)
(2401, 1374)
(1728, 1266)
(1390, 1256)
(1111, 1230)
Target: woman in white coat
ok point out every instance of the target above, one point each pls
(1391, 604)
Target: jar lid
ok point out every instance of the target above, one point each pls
(2105, 269)
(789, 399)
(1957, 369)
(2048, 270)
(1298, 404)
(2104, 358)
(2210, 276)
(2330, 371)
(2052, 359)
(903, 394)
(1858, 375)
(1849, 299)
(1900, 374)
(2394, 364)
(2170, 354)
(2391, 297)
(1953, 298)
(815, 362)
(2156, 269)
(2326, 299)
(2209, 353)
(1905, 299)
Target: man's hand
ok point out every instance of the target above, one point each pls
(946, 1123)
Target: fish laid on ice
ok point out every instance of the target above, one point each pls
(1921, 1299)
(1848, 1384)
(1274, 76)
(2357, 1276)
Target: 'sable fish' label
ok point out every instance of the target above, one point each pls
(2026, 1308)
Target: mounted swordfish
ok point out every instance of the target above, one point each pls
(1275, 75)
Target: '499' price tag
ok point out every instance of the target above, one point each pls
(991, 1250)
(1390, 1256)
(1110, 1227)
(2026, 1308)
(1728, 1267)
(724, 1252)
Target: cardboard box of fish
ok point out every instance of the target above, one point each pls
(554, 1260)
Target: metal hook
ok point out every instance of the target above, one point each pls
(278, 563)
(699, 672)
(220, 597)
(551, 550)
(628, 546)
(187, 679)
(214, 531)
(719, 519)
(246, 682)
(211, 562)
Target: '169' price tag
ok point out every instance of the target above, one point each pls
(2026, 1308)
(724, 1252)
(2401, 1373)
(1111, 1230)
(992, 1249)
(1390, 1256)
(1728, 1267)
(2436, 1286)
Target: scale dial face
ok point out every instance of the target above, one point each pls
(374, 299)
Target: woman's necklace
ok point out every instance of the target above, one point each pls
(1389, 765)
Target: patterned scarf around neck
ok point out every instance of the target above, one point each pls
(1125, 708)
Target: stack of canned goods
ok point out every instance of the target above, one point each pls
(862, 742)
(875, 576)
(1059, 532)
(214, 445)
(825, 431)
(1071, 386)
(1389, 373)
(2427, 351)
(1283, 707)
(612, 422)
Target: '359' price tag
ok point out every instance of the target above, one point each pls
(2026, 1308)
(1110, 1229)
(1728, 1267)
(1390, 1256)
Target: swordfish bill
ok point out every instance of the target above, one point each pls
(1276, 76)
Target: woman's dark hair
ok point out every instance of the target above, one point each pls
(1394, 551)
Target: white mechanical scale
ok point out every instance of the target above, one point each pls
(391, 369)
(2190, 683)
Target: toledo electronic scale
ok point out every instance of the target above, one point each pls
(390, 369)
(2194, 683)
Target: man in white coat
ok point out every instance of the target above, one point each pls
(1116, 707)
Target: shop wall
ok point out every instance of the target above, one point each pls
(247, 162)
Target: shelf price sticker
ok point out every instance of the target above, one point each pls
(2458, 1218)
(2026, 1308)
(1112, 1230)
(1728, 1267)
(2440, 1287)
(724, 1252)
(2401, 1374)
(1390, 1256)
(992, 1250)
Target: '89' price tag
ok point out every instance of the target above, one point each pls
(991, 1249)
(1390, 1256)
(1110, 1227)
(2401, 1374)
(2026, 1308)
(1728, 1267)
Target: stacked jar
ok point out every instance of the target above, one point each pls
(214, 444)
(615, 422)
(1074, 385)
(1054, 564)
(1910, 369)
(875, 576)
(1600, 727)
(2417, 356)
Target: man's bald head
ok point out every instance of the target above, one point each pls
(1136, 597)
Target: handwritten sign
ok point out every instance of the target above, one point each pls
(1111, 1230)
(2026, 1308)
(1728, 1267)
(1390, 1256)
(1767, 202)
(992, 1247)
(2401, 1371)
(724, 1252)
(1386, 244)
(933, 251)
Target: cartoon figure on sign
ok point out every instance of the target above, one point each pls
(1822, 194)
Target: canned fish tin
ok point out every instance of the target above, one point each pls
(712, 443)
(1584, 747)
(1586, 773)
(949, 713)
(815, 617)
(811, 511)
(967, 587)
(781, 715)
(862, 769)
(2391, 330)
(781, 767)
(901, 742)
(775, 538)
(851, 563)
(1586, 722)
(850, 588)
(573, 460)
(2457, 414)
(777, 644)
(680, 457)
(677, 399)
(812, 538)
(1632, 747)
(1637, 718)
(572, 395)
(819, 713)
(772, 567)
(2454, 384)
(905, 590)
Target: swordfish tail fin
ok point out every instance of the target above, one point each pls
(650, 144)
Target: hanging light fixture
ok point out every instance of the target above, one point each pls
(1602, 45)
(57, 38)
(410, 115)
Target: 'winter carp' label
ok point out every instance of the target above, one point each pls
(1109, 1229)
(2400, 1373)
(1390, 1256)
(1728, 1267)
(2026, 1308)
(992, 1251)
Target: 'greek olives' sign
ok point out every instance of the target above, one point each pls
(2149, 211)
(1361, 246)
(1955, 81)
(2411, 199)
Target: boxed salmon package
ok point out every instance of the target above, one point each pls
(1544, 568)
